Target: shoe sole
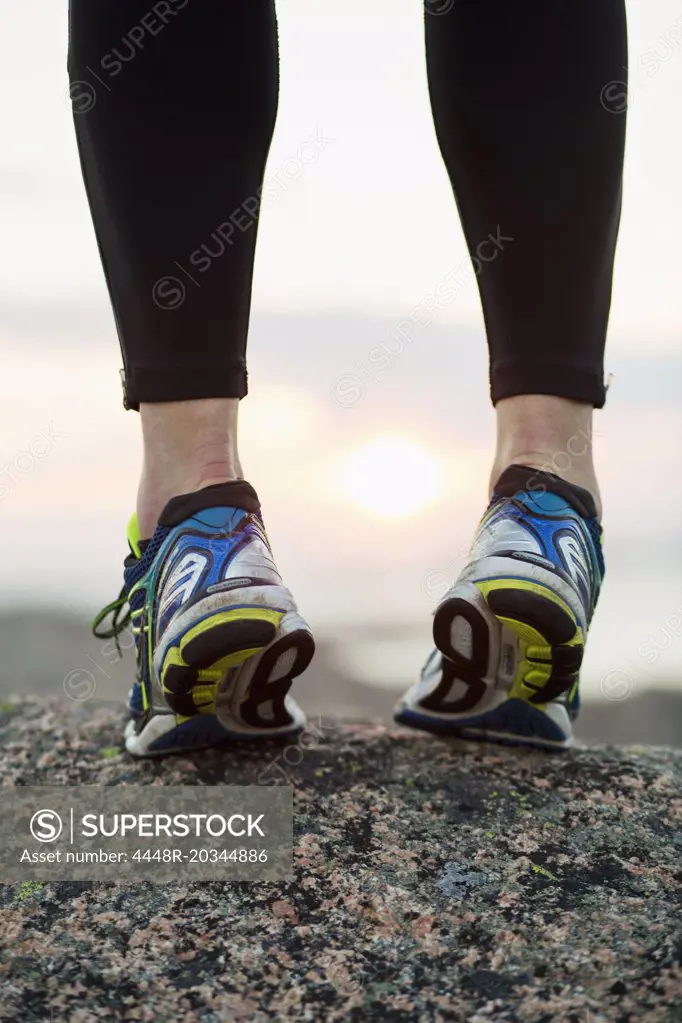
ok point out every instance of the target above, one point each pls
(253, 700)
(194, 666)
(523, 639)
(269, 685)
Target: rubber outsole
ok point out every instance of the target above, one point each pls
(244, 722)
(271, 691)
(209, 654)
(549, 641)
(549, 650)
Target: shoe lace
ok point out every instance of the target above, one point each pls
(120, 619)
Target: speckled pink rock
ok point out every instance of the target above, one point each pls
(435, 881)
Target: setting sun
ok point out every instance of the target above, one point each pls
(392, 477)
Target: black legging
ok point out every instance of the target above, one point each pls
(175, 107)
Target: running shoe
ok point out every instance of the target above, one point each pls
(218, 636)
(510, 634)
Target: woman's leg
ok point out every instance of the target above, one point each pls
(535, 160)
(536, 164)
(174, 107)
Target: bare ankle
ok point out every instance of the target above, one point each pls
(550, 434)
(187, 446)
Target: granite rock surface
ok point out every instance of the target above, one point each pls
(434, 881)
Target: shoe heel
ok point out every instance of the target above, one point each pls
(261, 702)
(192, 670)
(550, 642)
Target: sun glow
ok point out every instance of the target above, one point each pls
(392, 477)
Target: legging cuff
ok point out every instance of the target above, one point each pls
(515, 376)
(183, 383)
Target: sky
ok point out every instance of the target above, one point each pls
(346, 249)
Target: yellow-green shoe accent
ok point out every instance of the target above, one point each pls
(193, 669)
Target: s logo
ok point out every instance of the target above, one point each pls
(46, 826)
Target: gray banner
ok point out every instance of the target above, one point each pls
(146, 833)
